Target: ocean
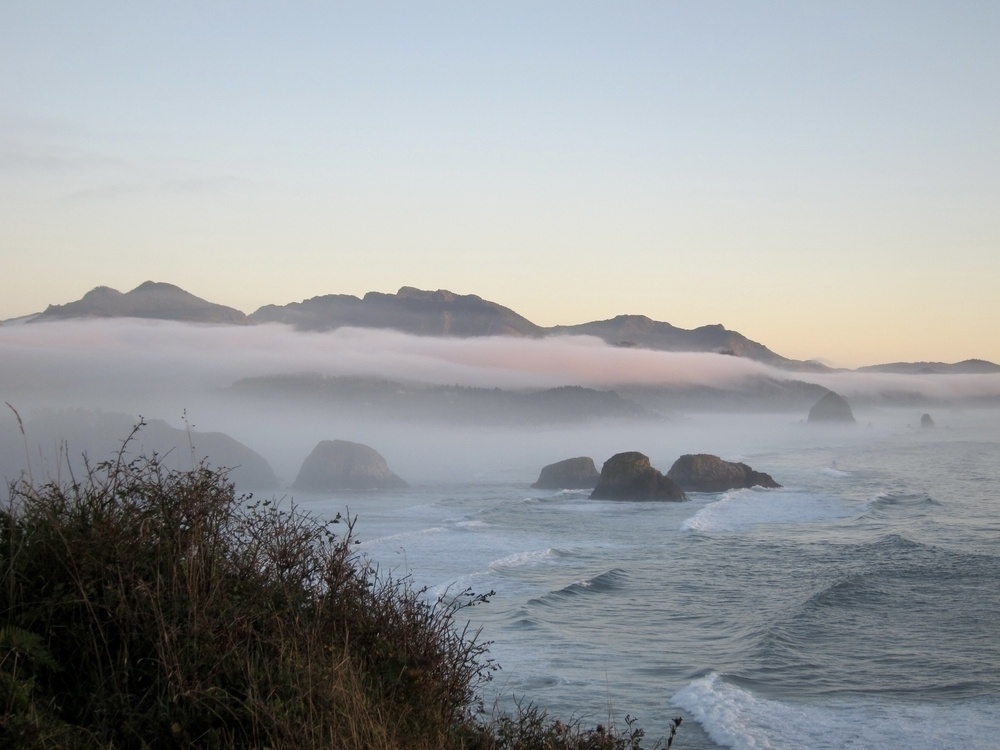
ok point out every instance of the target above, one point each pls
(856, 607)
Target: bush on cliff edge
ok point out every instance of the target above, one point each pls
(148, 607)
(142, 607)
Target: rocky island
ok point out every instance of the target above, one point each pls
(629, 476)
(571, 474)
(339, 465)
(703, 472)
(831, 408)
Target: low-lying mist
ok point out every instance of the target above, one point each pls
(164, 370)
(158, 355)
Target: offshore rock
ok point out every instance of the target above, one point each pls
(926, 422)
(629, 476)
(703, 472)
(339, 465)
(831, 408)
(573, 473)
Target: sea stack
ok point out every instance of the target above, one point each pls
(571, 474)
(629, 476)
(703, 472)
(832, 408)
(339, 465)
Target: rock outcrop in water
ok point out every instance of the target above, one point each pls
(703, 472)
(629, 476)
(831, 408)
(338, 465)
(573, 473)
(926, 422)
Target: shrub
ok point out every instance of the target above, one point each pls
(143, 607)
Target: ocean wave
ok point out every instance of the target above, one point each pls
(560, 501)
(391, 538)
(524, 623)
(832, 472)
(522, 558)
(582, 505)
(577, 492)
(890, 546)
(610, 580)
(522, 618)
(877, 624)
(737, 718)
(476, 524)
(886, 504)
(900, 498)
(739, 510)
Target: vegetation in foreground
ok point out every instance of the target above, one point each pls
(142, 607)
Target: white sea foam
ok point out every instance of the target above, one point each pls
(738, 719)
(743, 509)
(475, 580)
(392, 538)
(832, 472)
(477, 524)
(521, 558)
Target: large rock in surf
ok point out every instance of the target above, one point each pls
(926, 422)
(629, 476)
(703, 472)
(338, 465)
(831, 408)
(573, 473)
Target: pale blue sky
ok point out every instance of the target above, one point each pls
(822, 177)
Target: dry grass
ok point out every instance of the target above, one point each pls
(147, 608)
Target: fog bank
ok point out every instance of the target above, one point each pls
(164, 370)
(135, 356)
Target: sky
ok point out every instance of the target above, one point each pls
(821, 177)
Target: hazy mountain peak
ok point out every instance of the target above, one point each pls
(641, 331)
(411, 310)
(640, 320)
(151, 299)
(965, 367)
(441, 295)
(160, 286)
(99, 293)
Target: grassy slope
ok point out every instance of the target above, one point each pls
(143, 607)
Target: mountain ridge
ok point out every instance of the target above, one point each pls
(152, 299)
(445, 313)
(965, 367)
(411, 310)
(644, 332)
